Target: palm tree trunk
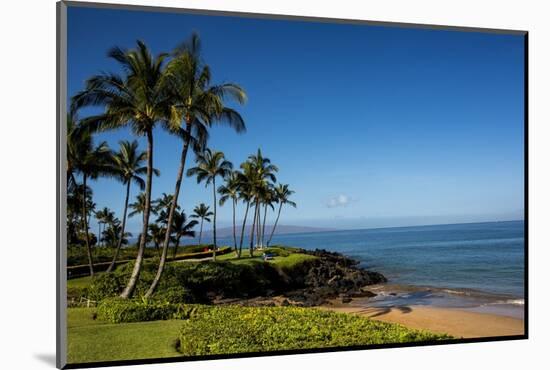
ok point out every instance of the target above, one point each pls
(131, 286)
(275, 225)
(252, 230)
(242, 230)
(157, 247)
(263, 226)
(258, 226)
(176, 247)
(200, 232)
(173, 206)
(214, 224)
(234, 226)
(85, 221)
(99, 234)
(123, 228)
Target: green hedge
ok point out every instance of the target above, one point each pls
(234, 329)
(117, 310)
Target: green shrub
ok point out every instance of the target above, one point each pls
(104, 285)
(117, 310)
(232, 329)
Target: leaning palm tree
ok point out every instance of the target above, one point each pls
(182, 228)
(197, 104)
(128, 164)
(211, 164)
(137, 99)
(88, 161)
(230, 190)
(282, 195)
(202, 212)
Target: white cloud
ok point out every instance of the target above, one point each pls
(340, 200)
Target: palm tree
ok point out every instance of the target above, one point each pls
(128, 164)
(246, 182)
(112, 234)
(100, 216)
(162, 207)
(230, 190)
(197, 104)
(138, 207)
(88, 161)
(261, 171)
(137, 99)
(282, 195)
(267, 199)
(210, 165)
(156, 234)
(202, 212)
(182, 228)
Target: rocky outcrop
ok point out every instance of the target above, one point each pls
(330, 276)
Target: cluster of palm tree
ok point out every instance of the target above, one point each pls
(255, 184)
(173, 92)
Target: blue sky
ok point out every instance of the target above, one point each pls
(371, 126)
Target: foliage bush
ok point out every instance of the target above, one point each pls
(192, 282)
(117, 310)
(234, 329)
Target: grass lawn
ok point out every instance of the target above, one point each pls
(287, 257)
(93, 340)
(224, 330)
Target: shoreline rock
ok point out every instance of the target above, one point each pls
(315, 282)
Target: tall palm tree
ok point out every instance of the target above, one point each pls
(267, 200)
(138, 99)
(182, 228)
(100, 217)
(197, 105)
(202, 212)
(246, 195)
(90, 162)
(230, 190)
(211, 164)
(128, 164)
(282, 195)
(261, 172)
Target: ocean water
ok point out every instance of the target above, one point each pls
(486, 257)
(474, 266)
(477, 259)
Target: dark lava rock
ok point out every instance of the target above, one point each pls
(346, 298)
(364, 294)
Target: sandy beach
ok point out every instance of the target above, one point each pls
(456, 322)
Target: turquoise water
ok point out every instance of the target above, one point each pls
(479, 257)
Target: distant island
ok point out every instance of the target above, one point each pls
(225, 232)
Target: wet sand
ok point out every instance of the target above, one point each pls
(456, 322)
